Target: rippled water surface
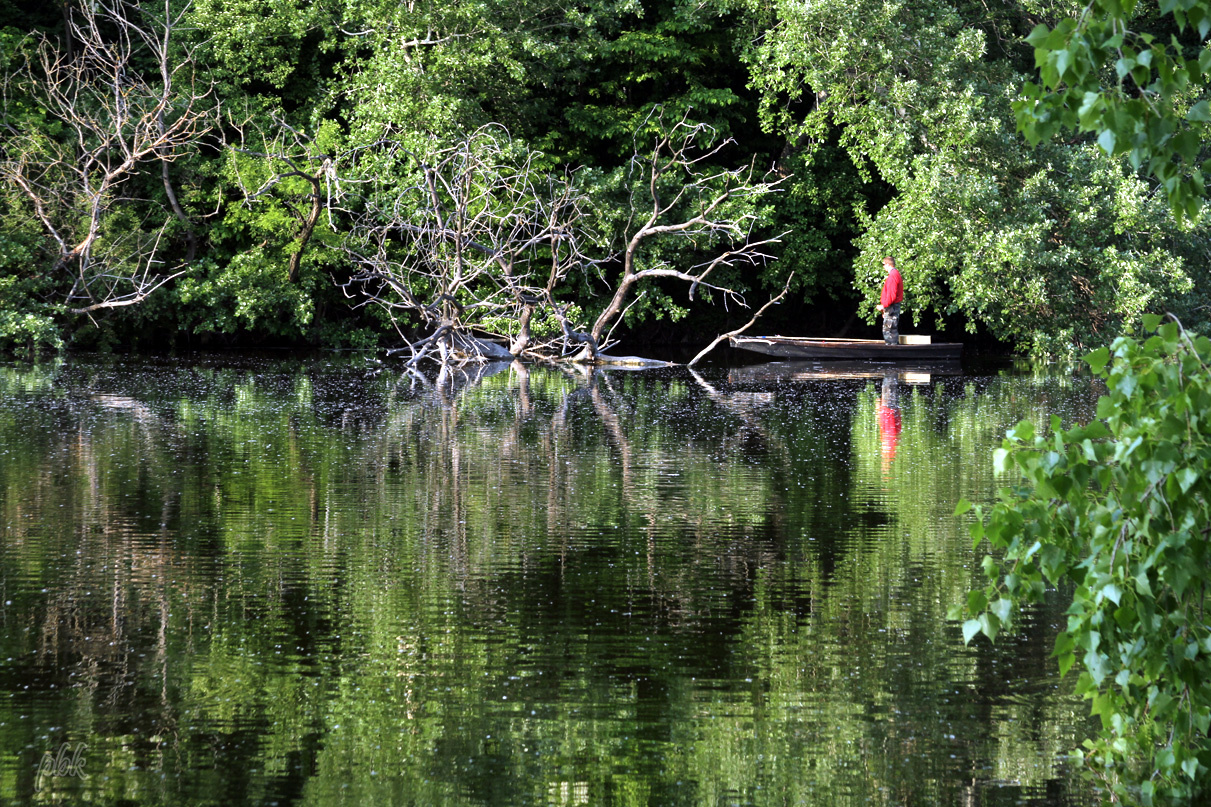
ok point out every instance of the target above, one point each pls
(236, 581)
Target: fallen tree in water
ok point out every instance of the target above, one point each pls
(479, 255)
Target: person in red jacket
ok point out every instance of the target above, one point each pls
(889, 302)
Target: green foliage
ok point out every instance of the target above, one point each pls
(544, 326)
(1117, 512)
(441, 68)
(25, 325)
(891, 121)
(896, 77)
(250, 292)
(267, 48)
(243, 286)
(1052, 265)
(820, 208)
(1140, 88)
(28, 323)
(677, 57)
(984, 228)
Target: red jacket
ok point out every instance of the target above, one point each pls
(893, 288)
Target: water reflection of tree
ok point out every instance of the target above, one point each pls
(279, 556)
(99, 622)
(664, 584)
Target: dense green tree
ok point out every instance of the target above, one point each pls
(1139, 82)
(890, 122)
(985, 228)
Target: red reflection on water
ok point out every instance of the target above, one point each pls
(889, 419)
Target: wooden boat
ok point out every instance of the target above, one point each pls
(911, 348)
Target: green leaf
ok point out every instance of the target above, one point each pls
(1097, 666)
(1037, 37)
(970, 628)
(990, 625)
(1052, 560)
(1023, 432)
(1000, 460)
(1097, 360)
(1062, 61)
(991, 569)
(976, 601)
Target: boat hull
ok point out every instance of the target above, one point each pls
(794, 347)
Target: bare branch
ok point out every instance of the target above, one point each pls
(703, 197)
(130, 299)
(470, 240)
(724, 336)
(116, 123)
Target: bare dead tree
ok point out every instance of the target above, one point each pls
(482, 242)
(752, 321)
(688, 198)
(477, 243)
(115, 123)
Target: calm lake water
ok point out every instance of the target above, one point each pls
(236, 581)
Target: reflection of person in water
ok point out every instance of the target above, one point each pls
(889, 417)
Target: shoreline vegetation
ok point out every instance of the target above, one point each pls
(199, 175)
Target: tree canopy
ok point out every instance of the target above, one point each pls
(225, 194)
(1136, 79)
